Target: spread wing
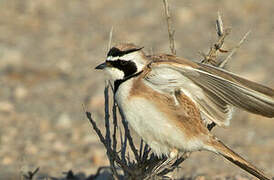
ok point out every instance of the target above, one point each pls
(213, 90)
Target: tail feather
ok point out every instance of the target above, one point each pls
(233, 157)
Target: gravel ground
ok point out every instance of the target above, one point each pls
(48, 49)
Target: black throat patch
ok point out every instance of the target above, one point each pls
(117, 83)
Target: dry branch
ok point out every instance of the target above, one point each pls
(222, 33)
(30, 175)
(110, 38)
(223, 63)
(170, 29)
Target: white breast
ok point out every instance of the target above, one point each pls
(152, 125)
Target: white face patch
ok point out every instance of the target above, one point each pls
(111, 58)
(113, 73)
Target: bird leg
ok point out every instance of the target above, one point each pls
(172, 155)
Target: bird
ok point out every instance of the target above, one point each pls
(173, 103)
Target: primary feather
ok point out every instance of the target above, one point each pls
(213, 90)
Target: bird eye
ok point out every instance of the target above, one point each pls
(123, 62)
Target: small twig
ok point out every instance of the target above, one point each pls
(154, 163)
(222, 33)
(111, 155)
(146, 152)
(130, 140)
(110, 38)
(115, 125)
(107, 136)
(171, 31)
(219, 25)
(98, 172)
(223, 63)
(175, 164)
(124, 147)
(141, 149)
(30, 174)
(96, 129)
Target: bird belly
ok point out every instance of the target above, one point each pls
(155, 128)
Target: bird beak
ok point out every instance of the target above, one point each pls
(101, 66)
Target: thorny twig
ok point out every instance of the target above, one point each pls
(115, 125)
(107, 136)
(211, 58)
(233, 51)
(108, 139)
(110, 38)
(170, 29)
(111, 154)
(98, 172)
(30, 174)
(130, 140)
(222, 33)
(131, 169)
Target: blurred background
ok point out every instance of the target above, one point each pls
(48, 51)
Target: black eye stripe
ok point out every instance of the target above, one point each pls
(128, 67)
(119, 63)
(122, 62)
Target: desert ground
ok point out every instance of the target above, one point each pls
(48, 51)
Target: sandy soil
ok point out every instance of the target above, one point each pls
(47, 53)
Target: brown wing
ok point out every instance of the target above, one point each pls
(213, 90)
(237, 91)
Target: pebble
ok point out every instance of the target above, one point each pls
(64, 66)
(6, 107)
(32, 149)
(7, 160)
(10, 57)
(96, 102)
(239, 177)
(49, 136)
(96, 159)
(64, 121)
(60, 147)
(200, 178)
(44, 126)
(20, 93)
(185, 15)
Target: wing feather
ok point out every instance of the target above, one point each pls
(237, 91)
(214, 90)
